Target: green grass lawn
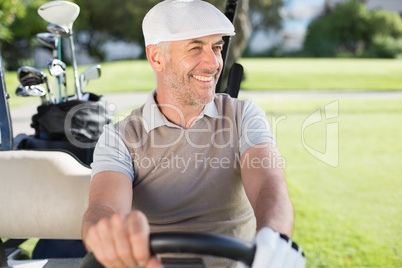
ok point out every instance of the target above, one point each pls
(261, 74)
(348, 215)
(322, 74)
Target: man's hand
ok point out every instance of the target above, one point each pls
(121, 241)
(274, 250)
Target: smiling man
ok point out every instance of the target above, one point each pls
(188, 160)
(188, 78)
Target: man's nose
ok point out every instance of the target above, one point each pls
(212, 60)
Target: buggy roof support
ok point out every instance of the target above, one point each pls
(6, 128)
(230, 12)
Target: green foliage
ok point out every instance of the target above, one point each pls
(16, 49)
(28, 26)
(121, 19)
(111, 20)
(264, 14)
(102, 21)
(320, 40)
(9, 10)
(385, 47)
(352, 29)
(385, 23)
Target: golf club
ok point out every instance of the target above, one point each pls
(31, 91)
(49, 40)
(58, 30)
(91, 73)
(63, 14)
(58, 68)
(53, 41)
(30, 76)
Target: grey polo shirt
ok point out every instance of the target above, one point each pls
(111, 153)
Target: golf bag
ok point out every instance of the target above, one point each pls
(81, 120)
(73, 126)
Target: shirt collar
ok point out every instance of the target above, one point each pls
(153, 118)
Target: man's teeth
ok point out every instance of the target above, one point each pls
(203, 78)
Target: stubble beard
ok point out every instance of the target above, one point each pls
(185, 94)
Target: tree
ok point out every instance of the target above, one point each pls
(121, 20)
(112, 20)
(351, 28)
(19, 39)
(9, 10)
(264, 16)
(341, 30)
(385, 23)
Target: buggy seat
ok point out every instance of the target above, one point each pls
(43, 194)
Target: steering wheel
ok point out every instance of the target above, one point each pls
(202, 243)
(195, 243)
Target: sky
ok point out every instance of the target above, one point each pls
(299, 13)
(303, 2)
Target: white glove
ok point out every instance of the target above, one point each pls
(276, 251)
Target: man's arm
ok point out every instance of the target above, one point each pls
(116, 236)
(266, 188)
(110, 192)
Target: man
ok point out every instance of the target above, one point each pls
(188, 160)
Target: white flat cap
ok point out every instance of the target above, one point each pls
(175, 20)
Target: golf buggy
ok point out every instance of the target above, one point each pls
(45, 177)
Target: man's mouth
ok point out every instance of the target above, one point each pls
(203, 78)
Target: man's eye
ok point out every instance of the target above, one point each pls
(195, 48)
(218, 48)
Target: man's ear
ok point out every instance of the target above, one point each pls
(156, 58)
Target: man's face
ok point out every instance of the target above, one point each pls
(193, 69)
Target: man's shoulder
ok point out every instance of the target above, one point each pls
(224, 101)
(224, 97)
(134, 116)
